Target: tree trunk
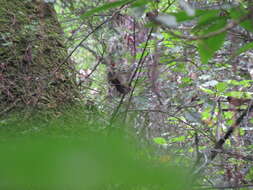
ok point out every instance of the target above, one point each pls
(33, 70)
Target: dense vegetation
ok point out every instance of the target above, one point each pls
(152, 94)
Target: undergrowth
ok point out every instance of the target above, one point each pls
(72, 148)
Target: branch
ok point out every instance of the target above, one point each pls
(219, 145)
(139, 65)
(94, 53)
(238, 156)
(138, 70)
(227, 135)
(230, 25)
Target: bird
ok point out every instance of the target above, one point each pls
(237, 101)
(114, 79)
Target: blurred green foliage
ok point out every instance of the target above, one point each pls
(70, 152)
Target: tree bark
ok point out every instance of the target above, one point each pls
(33, 69)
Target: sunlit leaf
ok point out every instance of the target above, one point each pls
(245, 83)
(159, 140)
(206, 90)
(186, 79)
(221, 87)
(239, 94)
(178, 139)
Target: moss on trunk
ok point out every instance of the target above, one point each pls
(32, 68)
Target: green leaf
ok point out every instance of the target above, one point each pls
(221, 87)
(140, 3)
(105, 7)
(238, 94)
(234, 82)
(235, 94)
(180, 67)
(241, 131)
(205, 114)
(244, 83)
(206, 90)
(206, 19)
(178, 139)
(207, 47)
(182, 16)
(249, 175)
(208, 16)
(238, 13)
(186, 79)
(159, 140)
(245, 48)
(247, 24)
(228, 115)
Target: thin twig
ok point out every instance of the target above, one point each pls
(135, 72)
(86, 37)
(227, 135)
(10, 107)
(237, 155)
(78, 45)
(138, 71)
(179, 119)
(223, 187)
